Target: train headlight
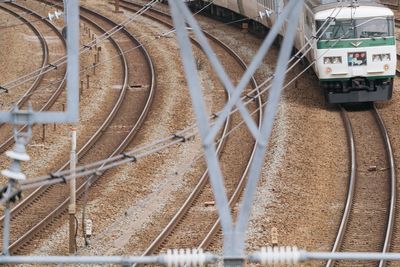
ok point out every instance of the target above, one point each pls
(332, 60)
(386, 67)
(380, 57)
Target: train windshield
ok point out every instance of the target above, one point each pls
(356, 28)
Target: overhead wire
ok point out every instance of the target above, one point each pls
(84, 48)
(119, 156)
(20, 16)
(122, 159)
(88, 46)
(27, 77)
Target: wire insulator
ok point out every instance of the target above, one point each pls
(125, 155)
(182, 257)
(53, 66)
(56, 176)
(175, 136)
(279, 255)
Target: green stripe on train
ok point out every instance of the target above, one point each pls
(355, 43)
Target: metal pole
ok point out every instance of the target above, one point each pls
(65, 13)
(72, 202)
(72, 8)
(6, 222)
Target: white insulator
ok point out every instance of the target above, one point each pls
(50, 16)
(55, 15)
(18, 155)
(58, 14)
(266, 13)
(279, 255)
(182, 257)
(13, 175)
(88, 227)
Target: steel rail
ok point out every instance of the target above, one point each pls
(99, 132)
(62, 207)
(352, 181)
(155, 245)
(40, 191)
(397, 22)
(151, 70)
(45, 55)
(6, 144)
(393, 186)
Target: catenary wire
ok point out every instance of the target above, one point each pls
(127, 156)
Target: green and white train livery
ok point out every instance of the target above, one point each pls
(355, 52)
(353, 47)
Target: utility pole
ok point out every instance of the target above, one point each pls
(72, 202)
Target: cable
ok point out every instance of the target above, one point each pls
(84, 70)
(91, 66)
(98, 40)
(160, 141)
(121, 159)
(18, 24)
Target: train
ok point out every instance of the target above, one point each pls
(353, 44)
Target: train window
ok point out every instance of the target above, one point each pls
(356, 28)
(374, 27)
(340, 29)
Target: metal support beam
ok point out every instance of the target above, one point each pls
(267, 256)
(234, 236)
(266, 126)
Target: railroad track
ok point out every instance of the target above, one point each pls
(397, 22)
(43, 80)
(192, 209)
(129, 110)
(368, 218)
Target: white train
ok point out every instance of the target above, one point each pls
(354, 52)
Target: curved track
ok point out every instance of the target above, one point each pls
(124, 113)
(42, 80)
(192, 209)
(368, 218)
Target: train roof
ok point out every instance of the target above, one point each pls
(319, 5)
(348, 9)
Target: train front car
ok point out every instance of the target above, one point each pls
(355, 51)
